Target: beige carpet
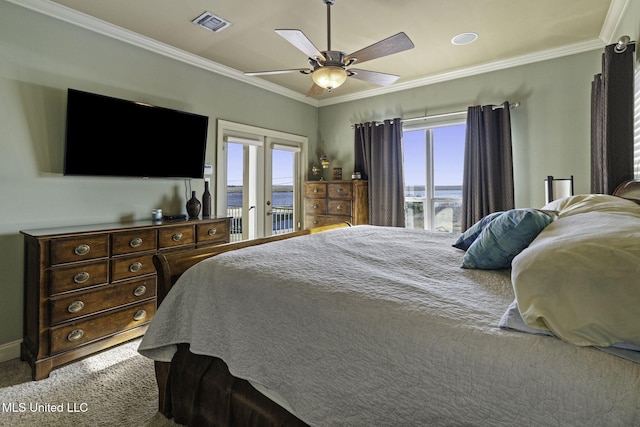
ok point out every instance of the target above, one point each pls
(113, 388)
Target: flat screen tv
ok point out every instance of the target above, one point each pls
(108, 136)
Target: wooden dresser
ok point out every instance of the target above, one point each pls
(88, 288)
(332, 202)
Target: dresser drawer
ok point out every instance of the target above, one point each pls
(68, 336)
(315, 206)
(133, 241)
(175, 236)
(79, 248)
(339, 207)
(339, 191)
(78, 276)
(319, 221)
(133, 266)
(315, 190)
(212, 232)
(82, 304)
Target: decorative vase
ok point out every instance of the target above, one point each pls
(193, 206)
(206, 201)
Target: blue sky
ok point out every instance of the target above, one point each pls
(448, 153)
(282, 161)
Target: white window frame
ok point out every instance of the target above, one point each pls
(429, 199)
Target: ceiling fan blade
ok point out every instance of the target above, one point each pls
(299, 40)
(381, 79)
(266, 73)
(315, 90)
(394, 44)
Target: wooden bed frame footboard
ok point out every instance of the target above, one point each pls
(170, 266)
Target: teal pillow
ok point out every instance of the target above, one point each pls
(504, 238)
(471, 234)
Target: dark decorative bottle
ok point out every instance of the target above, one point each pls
(206, 201)
(193, 206)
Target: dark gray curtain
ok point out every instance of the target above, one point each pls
(487, 184)
(378, 157)
(612, 121)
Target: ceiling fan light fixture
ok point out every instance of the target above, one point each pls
(329, 77)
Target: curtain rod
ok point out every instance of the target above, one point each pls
(455, 113)
(439, 116)
(622, 44)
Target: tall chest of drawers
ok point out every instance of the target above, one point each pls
(333, 202)
(88, 288)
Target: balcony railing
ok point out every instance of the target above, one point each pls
(281, 219)
(446, 213)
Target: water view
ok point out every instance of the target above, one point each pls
(283, 195)
(447, 207)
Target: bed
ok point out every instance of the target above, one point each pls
(386, 326)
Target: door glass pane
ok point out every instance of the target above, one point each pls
(415, 177)
(235, 188)
(282, 191)
(448, 165)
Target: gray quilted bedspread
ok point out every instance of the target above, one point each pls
(380, 326)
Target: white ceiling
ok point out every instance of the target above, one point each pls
(511, 32)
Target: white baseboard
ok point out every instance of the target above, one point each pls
(10, 350)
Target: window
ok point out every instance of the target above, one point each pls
(433, 170)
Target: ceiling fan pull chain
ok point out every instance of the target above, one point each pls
(329, 3)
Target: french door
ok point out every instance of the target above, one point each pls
(259, 180)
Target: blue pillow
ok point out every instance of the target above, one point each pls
(504, 238)
(471, 234)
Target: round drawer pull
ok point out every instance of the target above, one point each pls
(140, 314)
(82, 249)
(140, 290)
(316, 206)
(177, 237)
(75, 306)
(81, 277)
(339, 207)
(315, 221)
(134, 243)
(212, 231)
(340, 190)
(135, 267)
(315, 190)
(75, 335)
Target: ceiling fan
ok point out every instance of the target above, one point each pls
(328, 68)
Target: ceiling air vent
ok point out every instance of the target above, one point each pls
(211, 22)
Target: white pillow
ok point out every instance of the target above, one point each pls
(580, 278)
(582, 203)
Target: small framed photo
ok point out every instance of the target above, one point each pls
(337, 174)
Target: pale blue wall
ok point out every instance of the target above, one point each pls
(40, 57)
(550, 130)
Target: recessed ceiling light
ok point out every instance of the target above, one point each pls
(464, 38)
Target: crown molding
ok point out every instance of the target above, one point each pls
(63, 13)
(516, 61)
(617, 9)
(79, 19)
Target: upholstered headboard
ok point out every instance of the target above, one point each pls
(629, 190)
